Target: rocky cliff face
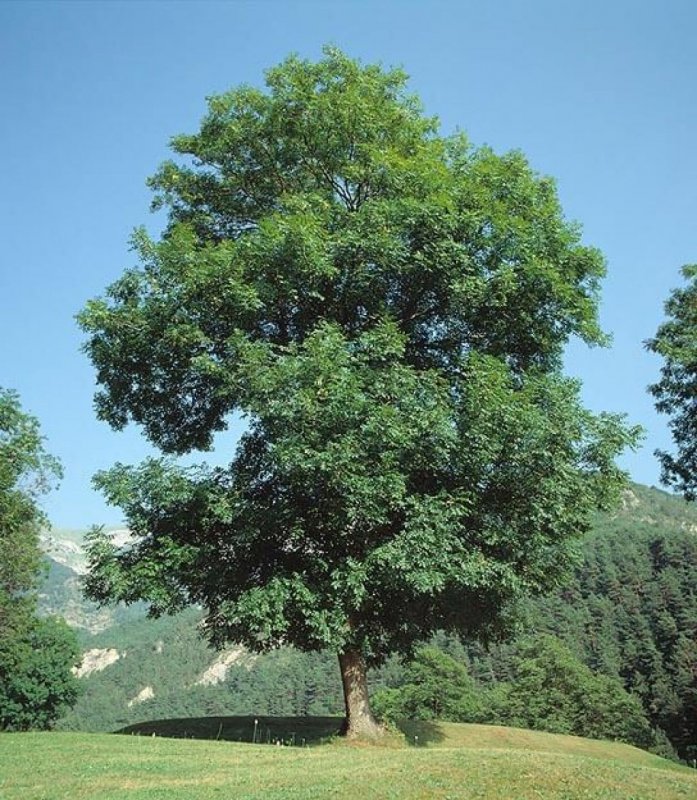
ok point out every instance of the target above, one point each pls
(97, 659)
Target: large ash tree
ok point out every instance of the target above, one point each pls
(387, 307)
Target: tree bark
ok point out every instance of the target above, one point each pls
(359, 721)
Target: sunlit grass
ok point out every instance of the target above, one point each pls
(450, 761)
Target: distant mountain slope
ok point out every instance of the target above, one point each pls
(61, 594)
(61, 591)
(153, 669)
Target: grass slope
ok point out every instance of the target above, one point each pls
(452, 761)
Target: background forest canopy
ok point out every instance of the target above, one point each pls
(388, 308)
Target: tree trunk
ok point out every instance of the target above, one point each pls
(359, 722)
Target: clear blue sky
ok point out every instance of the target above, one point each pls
(600, 95)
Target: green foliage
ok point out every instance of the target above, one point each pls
(436, 687)
(35, 655)
(628, 613)
(676, 343)
(547, 689)
(551, 690)
(388, 308)
(169, 656)
(26, 472)
(36, 684)
(647, 573)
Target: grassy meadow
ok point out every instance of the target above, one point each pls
(447, 760)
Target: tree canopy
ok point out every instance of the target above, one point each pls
(388, 309)
(675, 392)
(26, 472)
(35, 655)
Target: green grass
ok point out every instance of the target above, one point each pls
(450, 761)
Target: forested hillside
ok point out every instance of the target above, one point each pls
(629, 612)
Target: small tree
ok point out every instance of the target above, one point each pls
(436, 686)
(36, 681)
(35, 655)
(388, 308)
(675, 393)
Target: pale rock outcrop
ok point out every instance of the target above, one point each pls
(218, 670)
(146, 693)
(96, 660)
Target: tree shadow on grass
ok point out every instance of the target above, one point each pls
(420, 733)
(288, 731)
(292, 731)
